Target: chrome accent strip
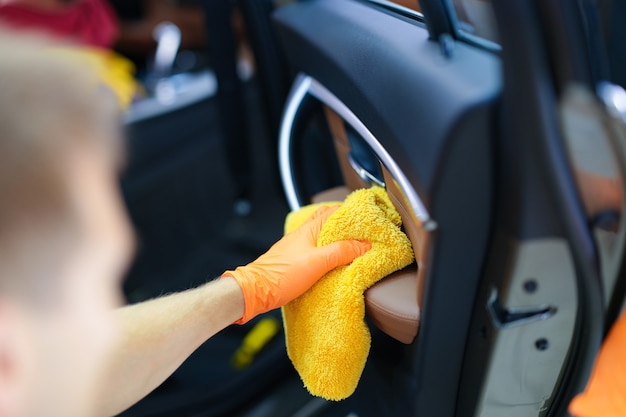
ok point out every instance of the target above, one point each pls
(325, 96)
(364, 174)
(304, 85)
(297, 95)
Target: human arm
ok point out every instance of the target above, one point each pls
(155, 338)
(158, 335)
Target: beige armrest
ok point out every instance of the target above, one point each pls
(391, 303)
(392, 306)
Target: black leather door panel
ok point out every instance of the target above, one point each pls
(434, 113)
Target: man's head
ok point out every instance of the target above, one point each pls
(64, 237)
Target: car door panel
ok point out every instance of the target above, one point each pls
(377, 64)
(434, 115)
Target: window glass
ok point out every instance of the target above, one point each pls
(474, 18)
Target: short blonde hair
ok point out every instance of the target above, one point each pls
(48, 106)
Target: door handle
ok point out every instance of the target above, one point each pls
(363, 173)
(305, 86)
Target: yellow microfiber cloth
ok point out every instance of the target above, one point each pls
(328, 340)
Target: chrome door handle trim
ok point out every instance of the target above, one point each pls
(363, 173)
(297, 95)
(306, 85)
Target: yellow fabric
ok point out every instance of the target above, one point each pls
(111, 69)
(328, 340)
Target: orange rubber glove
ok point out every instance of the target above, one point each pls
(605, 395)
(292, 266)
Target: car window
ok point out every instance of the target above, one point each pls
(474, 19)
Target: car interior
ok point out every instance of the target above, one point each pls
(490, 123)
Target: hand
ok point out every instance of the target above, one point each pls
(292, 266)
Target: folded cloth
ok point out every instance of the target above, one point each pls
(328, 340)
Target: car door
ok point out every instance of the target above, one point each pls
(417, 115)
(467, 115)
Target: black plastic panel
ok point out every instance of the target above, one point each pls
(388, 73)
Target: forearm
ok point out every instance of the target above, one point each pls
(158, 335)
